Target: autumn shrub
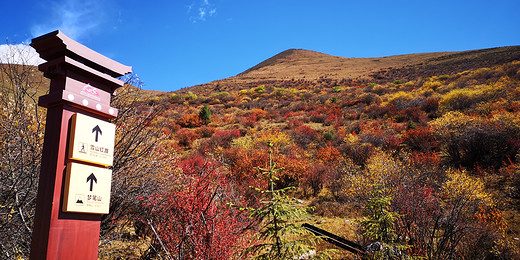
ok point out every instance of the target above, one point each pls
(330, 136)
(463, 197)
(430, 105)
(329, 155)
(315, 178)
(304, 135)
(260, 89)
(294, 170)
(258, 113)
(317, 117)
(402, 100)
(205, 131)
(190, 96)
(194, 221)
(452, 211)
(22, 125)
(377, 111)
(282, 142)
(369, 98)
(332, 119)
(429, 166)
(241, 163)
(381, 169)
(433, 219)
(413, 114)
(248, 120)
(420, 139)
(185, 136)
(222, 138)
(471, 140)
(466, 98)
(387, 139)
(359, 152)
(190, 121)
(420, 211)
(294, 123)
(245, 142)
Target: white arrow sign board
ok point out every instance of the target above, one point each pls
(91, 140)
(87, 189)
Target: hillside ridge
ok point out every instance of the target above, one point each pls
(301, 64)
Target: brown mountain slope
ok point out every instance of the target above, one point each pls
(310, 65)
(306, 64)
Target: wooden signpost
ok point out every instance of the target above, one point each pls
(74, 184)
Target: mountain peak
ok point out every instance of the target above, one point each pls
(291, 58)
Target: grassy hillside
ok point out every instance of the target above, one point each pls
(438, 133)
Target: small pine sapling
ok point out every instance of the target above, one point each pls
(205, 114)
(279, 236)
(379, 225)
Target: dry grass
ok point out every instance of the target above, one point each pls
(297, 64)
(304, 64)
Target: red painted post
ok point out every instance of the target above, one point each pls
(82, 81)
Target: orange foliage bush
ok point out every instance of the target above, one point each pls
(190, 121)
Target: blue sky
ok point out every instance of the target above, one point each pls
(176, 43)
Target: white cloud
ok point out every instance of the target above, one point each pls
(205, 9)
(19, 54)
(75, 18)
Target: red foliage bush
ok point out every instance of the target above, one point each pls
(420, 139)
(294, 123)
(205, 131)
(221, 138)
(317, 117)
(430, 105)
(377, 111)
(185, 136)
(329, 155)
(414, 114)
(293, 170)
(386, 139)
(304, 135)
(420, 211)
(359, 153)
(241, 164)
(194, 222)
(248, 120)
(315, 178)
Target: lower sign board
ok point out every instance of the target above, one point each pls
(87, 189)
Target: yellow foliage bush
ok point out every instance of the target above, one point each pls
(461, 99)
(245, 142)
(429, 86)
(462, 188)
(381, 170)
(468, 140)
(401, 99)
(280, 140)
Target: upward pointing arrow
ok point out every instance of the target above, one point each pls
(98, 131)
(92, 179)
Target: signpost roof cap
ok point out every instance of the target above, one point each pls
(56, 44)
